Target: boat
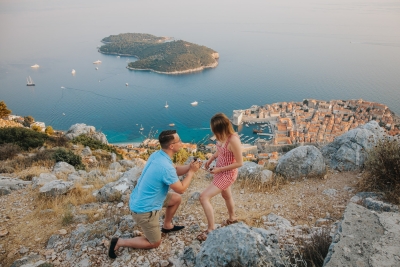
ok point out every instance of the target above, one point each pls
(63, 114)
(257, 130)
(62, 87)
(73, 71)
(29, 81)
(166, 105)
(194, 103)
(172, 124)
(118, 56)
(35, 66)
(141, 127)
(246, 125)
(97, 62)
(97, 68)
(126, 84)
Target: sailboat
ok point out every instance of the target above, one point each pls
(166, 104)
(141, 127)
(29, 81)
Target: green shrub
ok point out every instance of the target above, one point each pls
(25, 138)
(383, 169)
(37, 128)
(69, 157)
(9, 151)
(92, 143)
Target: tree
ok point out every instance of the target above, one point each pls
(4, 111)
(37, 128)
(49, 130)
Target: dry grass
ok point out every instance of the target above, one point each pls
(33, 229)
(383, 170)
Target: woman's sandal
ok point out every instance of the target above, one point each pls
(202, 236)
(228, 222)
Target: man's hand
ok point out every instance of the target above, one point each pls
(195, 166)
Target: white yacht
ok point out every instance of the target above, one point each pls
(194, 103)
(96, 68)
(29, 81)
(166, 104)
(141, 127)
(172, 124)
(126, 84)
(35, 66)
(97, 62)
(246, 125)
(62, 87)
(73, 71)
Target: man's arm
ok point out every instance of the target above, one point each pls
(181, 170)
(181, 186)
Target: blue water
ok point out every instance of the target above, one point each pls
(270, 51)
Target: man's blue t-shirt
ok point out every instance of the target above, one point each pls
(152, 186)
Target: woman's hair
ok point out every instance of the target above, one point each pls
(221, 126)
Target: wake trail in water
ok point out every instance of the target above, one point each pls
(91, 92)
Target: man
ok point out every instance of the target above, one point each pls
(151, 194)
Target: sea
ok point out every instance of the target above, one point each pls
(270, 51)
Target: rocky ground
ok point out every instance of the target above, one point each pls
(26, 225)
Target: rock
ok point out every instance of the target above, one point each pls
(365, 238)
(250, 170)
(23, 250)
(3, 233)
(279, 221)
(236, 245)
(81, 128)
(330, 192)
(373, 204)
(63, 168)
(359, 197)
(7, 184)
(115, 166)
(62, 232)
(114, 190)
(31, 259)
(113, 157)
(55, 188)
(43, 179)
(86, 152)
(303, 161)
(266, 176)
(75, 178)
(349, 151)
(132, 163)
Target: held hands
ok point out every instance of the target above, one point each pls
(195, 165)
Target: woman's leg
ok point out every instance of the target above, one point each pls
(230, 204)
(205, 198)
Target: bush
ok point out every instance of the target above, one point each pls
(9, 151)
(49, 130)
(92, 143)
(383, 169)
(69, 157)
(24, 138)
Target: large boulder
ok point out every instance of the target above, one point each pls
(114, 190)
(63, 168)
(8, 184)
(365, 238)
(236, 245)
(43, 179)
(303, 161)
(81, 128)
(349, 151)
(56, 188)
(249, 169)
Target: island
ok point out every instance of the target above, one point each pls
(160, 54)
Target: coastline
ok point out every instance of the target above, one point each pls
(213, 65)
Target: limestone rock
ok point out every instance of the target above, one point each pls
(303, 161)
(86, 152)
(349, 151)
(7, 184)
(266, 176)
(63, 167)
(81, 128)
(236, 245)
(249, 170)
(55, 188)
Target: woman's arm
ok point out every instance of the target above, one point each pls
(236, 148)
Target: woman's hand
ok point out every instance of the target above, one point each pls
(207, 164)
(215, 170)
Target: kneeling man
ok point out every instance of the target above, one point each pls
(151, 195)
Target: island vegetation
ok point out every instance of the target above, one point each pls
(160, 54)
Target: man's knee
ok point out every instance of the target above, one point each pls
(156, 244)
(176, 199)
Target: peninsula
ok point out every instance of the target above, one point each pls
(160, 54)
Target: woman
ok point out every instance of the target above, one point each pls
(229, 158)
